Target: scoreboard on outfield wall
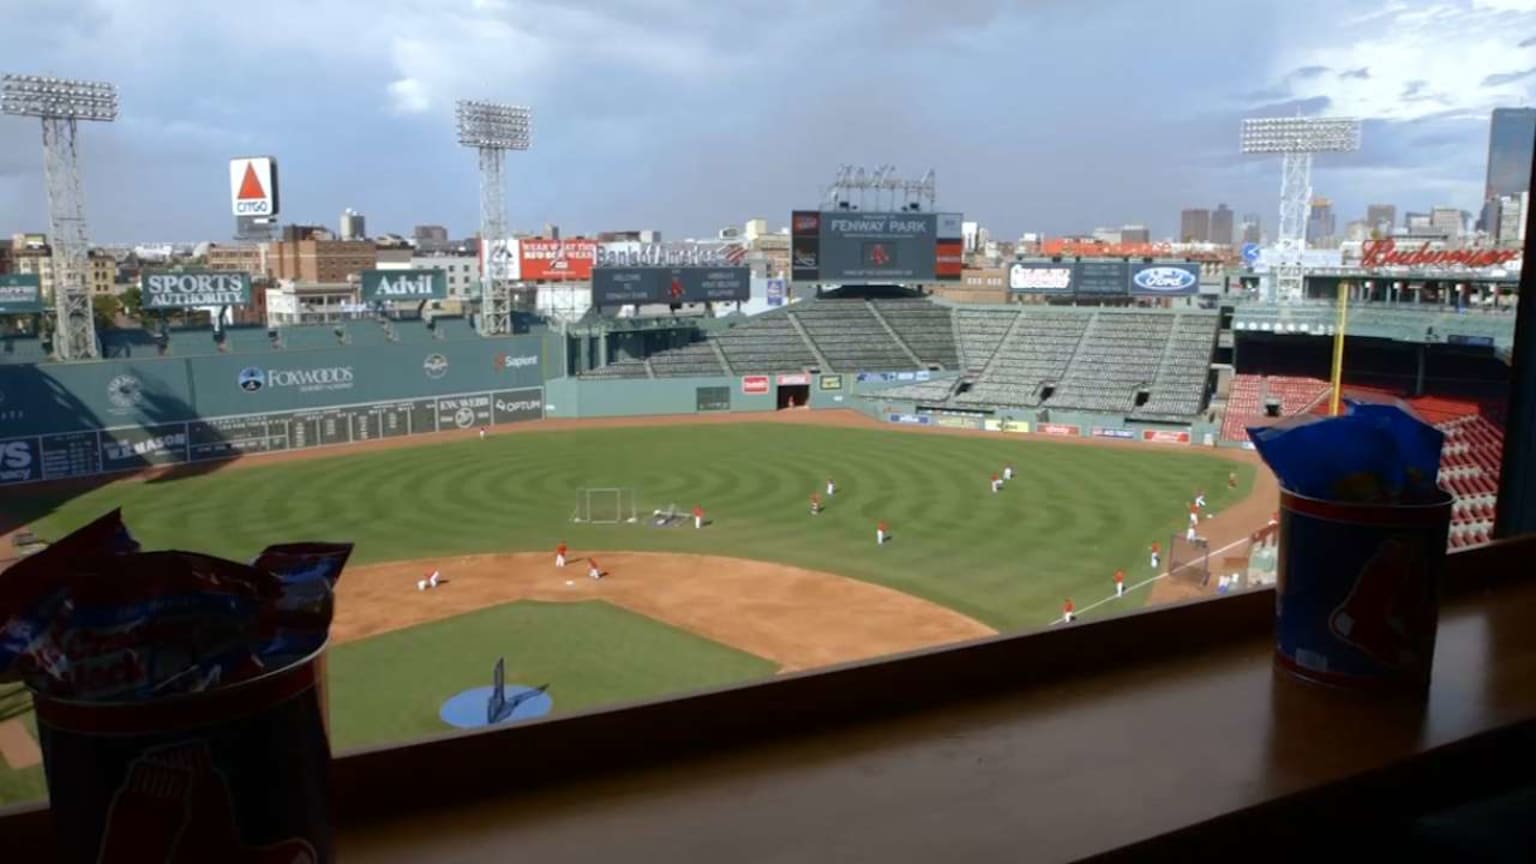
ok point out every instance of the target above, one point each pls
(850, 247)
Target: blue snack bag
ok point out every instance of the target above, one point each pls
(1374, 453)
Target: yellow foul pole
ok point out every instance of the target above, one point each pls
(1338, 350)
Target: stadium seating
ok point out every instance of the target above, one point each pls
(979, 332)
(924, 327)
(1178, 388)
(1037, 349)
(850, 337)
(1119, 354)
(697, 359)
(766, 343)
(1245, 404)
(621, 369)
(1469, 470)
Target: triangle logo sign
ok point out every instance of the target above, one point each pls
(250, 185)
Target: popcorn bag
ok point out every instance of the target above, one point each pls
(1363, 529)
(177, 696)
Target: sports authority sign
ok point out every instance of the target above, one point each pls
(20, 294)
(183, 289)
(253, 186)
(755, 385)
(1384, 253)
(383, 285)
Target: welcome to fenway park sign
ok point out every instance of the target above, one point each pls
(1384, 253)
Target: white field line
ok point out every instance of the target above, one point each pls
(1145, 582)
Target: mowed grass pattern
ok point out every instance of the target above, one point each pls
(389, 688)
(1071, 516)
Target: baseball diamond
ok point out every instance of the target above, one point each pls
(763, 588)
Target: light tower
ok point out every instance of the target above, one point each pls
(853, 185)
(61, 104)
(492, 129)
(1296, 139)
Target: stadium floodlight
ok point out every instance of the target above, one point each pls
(1296, 139)
(492, 129)
(1301, 135)
(61, 103)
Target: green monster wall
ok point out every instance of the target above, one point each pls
(66, 420)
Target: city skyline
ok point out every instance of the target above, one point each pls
(663, 114)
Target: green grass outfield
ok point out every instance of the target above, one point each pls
(1071, 516)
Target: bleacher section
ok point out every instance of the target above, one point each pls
(847, 333)
(693, 360)
(980, 332)
(766, 343)
(1091, 359)
(1037, 351)
(924, 327)
(1119, 354)
(1245, 404)
(1178, 388)
(1469, 470)
(621, 369)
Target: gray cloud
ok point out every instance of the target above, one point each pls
(1528, 42)
(1303, 107)
(1415, 90)
(1308, 72)
(1361, 74)
(1508, 77)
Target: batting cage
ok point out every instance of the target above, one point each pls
(1189, 560)
(606, 506)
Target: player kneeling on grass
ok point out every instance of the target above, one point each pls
(428, 582)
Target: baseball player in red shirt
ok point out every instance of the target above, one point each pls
(880, 533)
(1157, 549)
(560, 554)
(1194, 514)
(429, 581)
(1274, 518)
(997, 482)
(1119, 583)
(815, 504)
(698, 516)
(1068, 611)
(594, 569)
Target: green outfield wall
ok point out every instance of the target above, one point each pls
(634, 397)
(78, 419)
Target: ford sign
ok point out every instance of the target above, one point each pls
(1165, 280)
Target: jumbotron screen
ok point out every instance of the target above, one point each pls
(850, 247)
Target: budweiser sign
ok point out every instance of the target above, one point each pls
(1384, 253)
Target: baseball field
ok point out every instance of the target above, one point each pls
(763, 587)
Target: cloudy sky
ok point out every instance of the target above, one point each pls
(1037, 115)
